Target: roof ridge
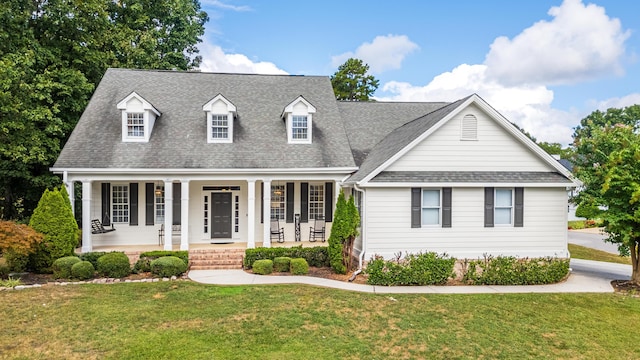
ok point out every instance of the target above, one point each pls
(198, 71)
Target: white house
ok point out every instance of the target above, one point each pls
(221, 154)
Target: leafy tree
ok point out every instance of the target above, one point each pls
(54, 219)
(351, 82)
(52, 55)
(612, 181)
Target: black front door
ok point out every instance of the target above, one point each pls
(220, 215)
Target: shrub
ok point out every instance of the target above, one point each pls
(168, 266)
(144, 262)
(92, 257)
(16, 262)
(299, 266)
(82, 270)
(17, 241)
(315, 256)
(62, 267)
(508, 270)
(414, 269)
(114, 265)
(4, 269)
(263, 267)
(281, 264)
(53, 218)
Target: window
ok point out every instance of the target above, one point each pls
(138, 118)
(135, 125)
(159, 204)
(219, 127)
(299, 127)
(316, 201)
(120, 203)
(430, 207)
(503, 209)
(277, 202)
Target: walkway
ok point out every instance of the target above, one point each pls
(586, 277)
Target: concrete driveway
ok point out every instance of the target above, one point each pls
(591, 238)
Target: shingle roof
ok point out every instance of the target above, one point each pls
(400, 138)
(179, 136)
(470, 177)
(367, 123)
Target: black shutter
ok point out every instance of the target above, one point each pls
(177, 203)
(328, 201)
(488, 207)
(416, 204)
(133, 203)
(446, 207)
(262, 202)
(304, 202)
(106, 204)
(518, 220)
(290, 197)
(149, 204)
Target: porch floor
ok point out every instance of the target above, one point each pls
(176, 247)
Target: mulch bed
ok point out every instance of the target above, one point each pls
(33, 278)
(626, 287)
(325, 272)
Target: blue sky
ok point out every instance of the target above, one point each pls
(543, 64)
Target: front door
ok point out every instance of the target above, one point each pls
(220, 215)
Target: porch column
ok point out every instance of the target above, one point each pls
(69, 185)
(251, 214)
(168, 214)
(184, 219)
(266, 210)
(87, 246)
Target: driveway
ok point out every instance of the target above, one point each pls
(591, 238)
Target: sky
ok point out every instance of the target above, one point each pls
(543, 64)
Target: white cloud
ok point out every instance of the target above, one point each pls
(382, 54)
(225, 6)
(580, 43)
(631, 99)
(214, 59)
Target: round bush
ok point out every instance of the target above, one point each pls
(82, 270)
(114, 265)
(62, 267)
(299, 266)
(281, 264)
(263, 267)
(168, 266)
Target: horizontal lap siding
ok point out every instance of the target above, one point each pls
(495, 150)
(544, 233)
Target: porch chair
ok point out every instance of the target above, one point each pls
(276, 230)
(317, 230)
(98, 228)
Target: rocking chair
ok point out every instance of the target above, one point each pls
(317, 231)
(277, 231)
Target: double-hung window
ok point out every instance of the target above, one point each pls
(503, 209)
(135, 125)
(299, 127)
(431, 206)
(277, 202)
(120, 203)
(159, 204)
(316, 201)
(219, 127)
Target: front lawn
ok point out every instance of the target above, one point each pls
(586, 253)
(185, 320)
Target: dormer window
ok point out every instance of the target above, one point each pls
(138, 118)
(220, 115)
(298, 116)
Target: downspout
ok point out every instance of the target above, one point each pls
(362, 230)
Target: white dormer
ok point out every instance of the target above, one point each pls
(138, 118)
(220, 115)
(298, 116)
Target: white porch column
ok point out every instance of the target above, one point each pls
(168, 214)
(251, 214)
(87, 246)
(266, 210)
(69, 185)
(184, 218)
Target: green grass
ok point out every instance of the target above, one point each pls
(185, 320)
(582, 252)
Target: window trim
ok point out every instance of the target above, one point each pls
(281, 201)
(156, 205)
(511, 207)
(423, 207)
(321, 196)
(124, 219)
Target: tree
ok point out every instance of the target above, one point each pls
(17, 241)
(351, 82)
(611, 181)
(339, 231)
(52, 55)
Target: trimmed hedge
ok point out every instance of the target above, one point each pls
(415, 269)
(263, 267)
(144, 262)
(82, 270)
(509, 270)
(114, 265)
(62, 266)
(281, 264)
(168, 266)
(299, 266)
(315, 256)
(92, 257)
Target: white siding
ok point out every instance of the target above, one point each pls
(495, 150)
(544, 233)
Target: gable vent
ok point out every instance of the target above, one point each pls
(469, 128)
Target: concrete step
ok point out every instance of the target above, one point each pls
(218, 259)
